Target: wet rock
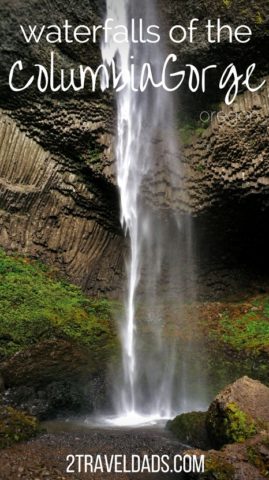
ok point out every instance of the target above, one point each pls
(54, 376)
(238, 412)
(58, 398)
(190, 429)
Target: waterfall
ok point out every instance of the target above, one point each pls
(152, 380)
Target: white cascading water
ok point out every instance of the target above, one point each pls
(151, 385)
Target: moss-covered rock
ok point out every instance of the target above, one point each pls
(237, 461)
(55, 376)
(238, 412)
(16, 426)
(55, 342)
(51, 360)
(234, 426)
(190, 429)
(216, 468)
(258, 456)
(35, 306)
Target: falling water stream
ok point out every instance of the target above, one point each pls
(150, 384)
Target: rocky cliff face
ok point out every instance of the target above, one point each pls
(57, 199)
(227, 174)
(57, 179)
(231, 157)
(49, 211)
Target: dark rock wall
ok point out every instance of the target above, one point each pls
(51, 211)
(228, 177)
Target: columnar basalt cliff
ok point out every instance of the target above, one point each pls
(227, 174)
(59, 201)
(231, 157)
(48, 211)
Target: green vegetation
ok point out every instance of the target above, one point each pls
(35, 306)
(227, 3)
(95, 155)
(245, 326)
(200, 167)
(217, 468)
(190, 428)
(191, 126)
(16, 426)
(259, 19)
(256, 458)
(189, 131)
(229, 424)
(237, 336)
(238, 426)
(247, 331)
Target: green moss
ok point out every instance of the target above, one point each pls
(227, 3)
(230, 425)
(247, 331)
(237, 336)
(35, 306)
(238, 426)
(16, 426)
(95, 155)
(244, 326)
(218, 468)
(200, 167)
(265, 441)
(256, 458)
(189, 131)
(259, 19)
(190, 428)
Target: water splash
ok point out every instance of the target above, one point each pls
(150, 183)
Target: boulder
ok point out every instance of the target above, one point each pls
(238, 412)
(237, 422)
(190, 429)
(237, 461)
